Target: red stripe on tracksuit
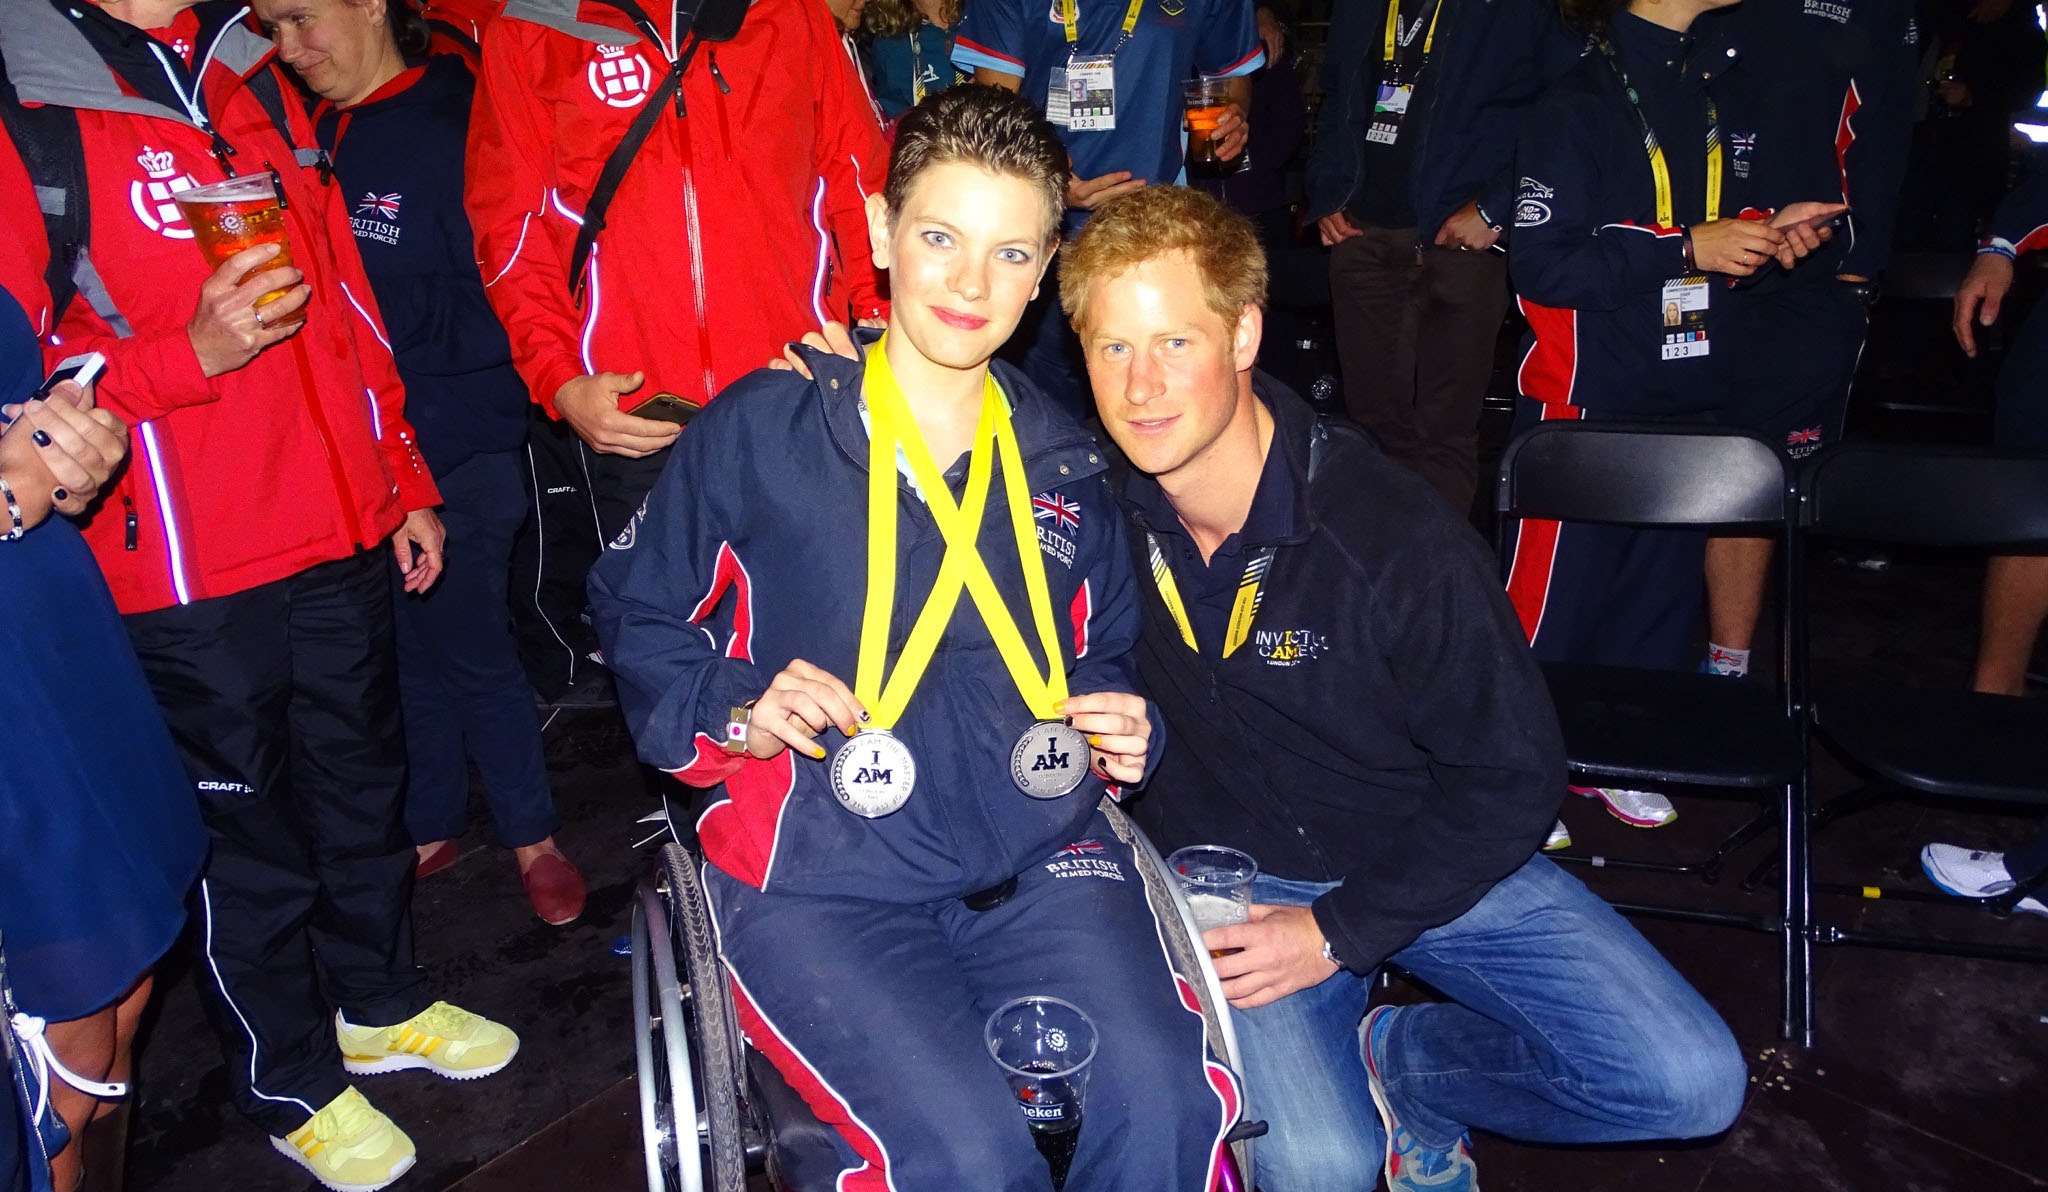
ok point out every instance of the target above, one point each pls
(1845, 135)
(873, 1173)
(1535, 558)
(1079, 611)
(2031, 241)
(740, 832)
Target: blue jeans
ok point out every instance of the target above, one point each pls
(1565, 1025)
(465, 694)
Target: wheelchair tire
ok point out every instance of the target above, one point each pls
(661, 1051)
(714, 1029)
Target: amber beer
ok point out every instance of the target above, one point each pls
(1205, 101)
(227, 217)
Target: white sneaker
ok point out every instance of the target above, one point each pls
(1972, 873)
(1637, 809)
(1560, 837)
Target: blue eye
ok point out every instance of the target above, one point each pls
(937, 239)
(1176, 343)
(1014, 256)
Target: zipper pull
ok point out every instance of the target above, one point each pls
(717, 77)
(277, 183)
(680, 113)
(222, 151)
(129, 523)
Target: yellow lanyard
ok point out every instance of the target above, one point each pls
(1394, 29)
(1070, 16)
(1251, 589)
(891, 427)
(1660, 169)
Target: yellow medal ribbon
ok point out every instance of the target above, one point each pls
(1660, 169)
(892, 427)
(1070, 16)
(1251, 589)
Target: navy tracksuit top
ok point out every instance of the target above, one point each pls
(751, 551)
(1590, 260)
(398, 156)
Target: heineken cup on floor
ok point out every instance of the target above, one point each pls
(1044, 1045)
(1218, 883)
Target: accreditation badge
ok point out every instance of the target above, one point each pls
(872, 773)
(1091, 92)
(1388, 110)
(1684, 303)
(1050, 759)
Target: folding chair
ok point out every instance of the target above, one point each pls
(1664, 728)
(1945, 746)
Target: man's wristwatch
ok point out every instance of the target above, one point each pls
(736, 728)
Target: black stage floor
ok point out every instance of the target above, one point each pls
(1931, 1073)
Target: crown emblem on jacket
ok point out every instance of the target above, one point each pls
(159, 163)
(605, 51)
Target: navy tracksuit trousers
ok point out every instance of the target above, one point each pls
(874, 1010)
(465, 695)
(1606, 595)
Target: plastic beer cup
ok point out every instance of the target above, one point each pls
(1218, 885)
(242, 212)
(1203, 102)
(1044, 1045)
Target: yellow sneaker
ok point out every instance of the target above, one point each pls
(446, 1040)
(349, 1146)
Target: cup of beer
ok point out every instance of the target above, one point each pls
(1203, 102)
(1044, 1045)
(242, 212)
(1218, 885)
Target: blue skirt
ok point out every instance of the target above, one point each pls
(100, 838)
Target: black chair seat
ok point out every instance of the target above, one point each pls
(1957, 744)
(1673, 727)
(805, 1156)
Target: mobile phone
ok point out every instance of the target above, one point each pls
(84, 368)
(667, 407)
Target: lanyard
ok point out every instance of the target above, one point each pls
(1251, 589)
(1660, 170)
(1394, 39)
(1070, 16)
(893, 427)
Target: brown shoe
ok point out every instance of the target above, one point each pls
(441, 856)
(556, 889)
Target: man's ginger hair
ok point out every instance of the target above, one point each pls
(1159, 220)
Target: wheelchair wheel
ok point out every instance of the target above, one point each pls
(684, 1042)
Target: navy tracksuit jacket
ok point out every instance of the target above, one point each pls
(1590, 262)
(1819, 105)
(856, 967)
(1492, 58)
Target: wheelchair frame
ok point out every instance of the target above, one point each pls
(698, 1110)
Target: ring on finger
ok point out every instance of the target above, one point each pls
(259, 319)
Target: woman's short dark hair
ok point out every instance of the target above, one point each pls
(986, 126)
(1590, 16)
(409, 30)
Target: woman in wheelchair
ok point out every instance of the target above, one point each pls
(888, 860)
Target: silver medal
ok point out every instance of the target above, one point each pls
(1050, 759)
(872, 773)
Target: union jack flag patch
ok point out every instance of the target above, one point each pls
(376, 204)
(1081, 848)
(1057, 509)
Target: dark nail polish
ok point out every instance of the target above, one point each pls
(41, 438)
(59, 495)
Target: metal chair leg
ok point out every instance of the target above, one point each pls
(1846, 805)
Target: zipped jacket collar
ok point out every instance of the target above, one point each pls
(1294, 429)
(1056, 451)
(68, 53)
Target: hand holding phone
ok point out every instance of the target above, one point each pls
(83, 369)
(667, 407)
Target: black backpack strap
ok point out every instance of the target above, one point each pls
(621, 159)
(47, 138)
(269, 92)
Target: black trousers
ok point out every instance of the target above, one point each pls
(1415, 334)
(579, 500)
(283, 701)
